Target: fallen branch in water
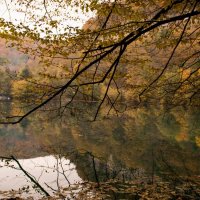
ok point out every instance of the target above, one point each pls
(26, 173)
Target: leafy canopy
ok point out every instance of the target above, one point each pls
(128, 53)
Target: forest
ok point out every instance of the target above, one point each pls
(128, 54)
(115, 78)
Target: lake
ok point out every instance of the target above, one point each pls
(146, 152)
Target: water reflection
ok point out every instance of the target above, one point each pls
(144, 150)
(51, 172)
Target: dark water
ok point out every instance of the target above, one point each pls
(143, 147)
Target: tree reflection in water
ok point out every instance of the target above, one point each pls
(58, 178)
(138, 156)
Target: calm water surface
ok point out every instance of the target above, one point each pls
(144, 145)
